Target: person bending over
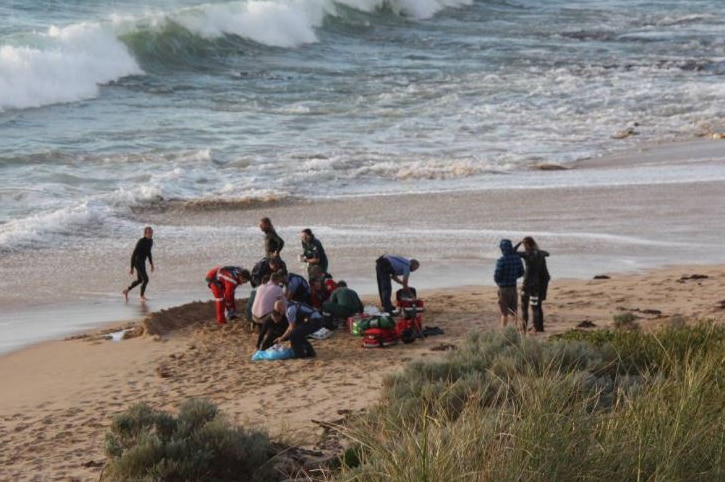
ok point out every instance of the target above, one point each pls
(395, 268)
(274, 327)
(223, 282)
(303, 321)
(343, 302)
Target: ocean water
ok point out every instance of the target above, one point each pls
(112, 110)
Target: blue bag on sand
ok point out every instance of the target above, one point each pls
(276, 352)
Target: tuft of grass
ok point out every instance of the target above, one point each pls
(625, 321)
(145, 444)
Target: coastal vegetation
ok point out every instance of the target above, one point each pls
(618, 404)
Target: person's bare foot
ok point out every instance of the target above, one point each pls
(143, 298)
(125, 294)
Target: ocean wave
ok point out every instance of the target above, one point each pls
(65, 64)
(68, 64)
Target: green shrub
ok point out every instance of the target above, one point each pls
(145, 444)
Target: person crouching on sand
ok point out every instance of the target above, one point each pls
(138, 262)
(223, 282)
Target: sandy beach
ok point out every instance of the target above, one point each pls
(62, 395)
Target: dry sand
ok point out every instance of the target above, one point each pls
(59, 397)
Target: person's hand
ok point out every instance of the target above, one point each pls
(152, 268)
(130, 271)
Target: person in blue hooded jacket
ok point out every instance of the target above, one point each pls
(509, 268)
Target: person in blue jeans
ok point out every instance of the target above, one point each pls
(303, 321)
(392, 268)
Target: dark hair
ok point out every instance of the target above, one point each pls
(308, 232)
(342, 284)
(246, 274)
(529, 243)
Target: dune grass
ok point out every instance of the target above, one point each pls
(601, 405)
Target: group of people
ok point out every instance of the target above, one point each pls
(287, 306)
(512, 265)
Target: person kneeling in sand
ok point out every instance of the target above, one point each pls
(266, 296)
(274, 327)
(343, 302)
(223, 282)
(303, 321)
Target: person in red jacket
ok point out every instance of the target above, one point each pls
(223, 281)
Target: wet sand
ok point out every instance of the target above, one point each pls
(454, 234)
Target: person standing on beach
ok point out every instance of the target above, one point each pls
(395, 268)
(313, 253)
(273, 244)
(138, 262)
(223, 282)
(509, 268)
(536, 282)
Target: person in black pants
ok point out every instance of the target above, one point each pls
(536, 282)
(274, 326)
(303, 320)
(138, 262)
(392, 268)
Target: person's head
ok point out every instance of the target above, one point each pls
(245, 276)
(148, 232)
(529, 244)
(278, 311)
(342, 284)
(306, 235)
(279, 277)
(265, 224)
(506, 246)
(276, 263)
(414, 264)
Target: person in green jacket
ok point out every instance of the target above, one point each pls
(343, 303)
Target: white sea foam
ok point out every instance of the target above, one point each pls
(278, 24)
(68, 64)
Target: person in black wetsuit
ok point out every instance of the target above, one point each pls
(273, 244)
(138, 262)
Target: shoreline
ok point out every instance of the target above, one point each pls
(589, 230)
